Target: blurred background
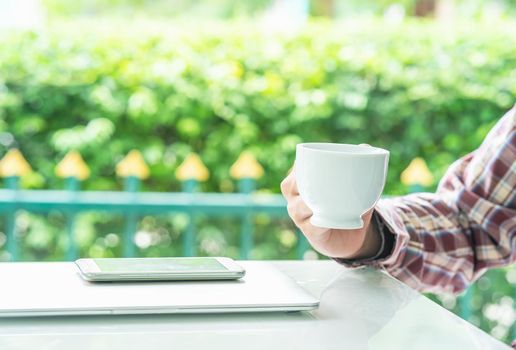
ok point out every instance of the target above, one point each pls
(218, 79)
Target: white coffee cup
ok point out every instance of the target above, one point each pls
(340, 182)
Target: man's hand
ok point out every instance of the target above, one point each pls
(336, 243)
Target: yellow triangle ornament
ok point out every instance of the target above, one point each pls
(417, 173)
(133, 165)
(72, 165)
(192, 168)
(14, 164)
(246, 166)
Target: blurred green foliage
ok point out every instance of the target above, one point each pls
(155, 8)
(416, 88)
(226, 9)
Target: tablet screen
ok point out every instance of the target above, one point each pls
(159, 265)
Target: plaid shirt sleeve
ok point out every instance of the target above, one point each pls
(443, 241)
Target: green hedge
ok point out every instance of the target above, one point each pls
(417, 89)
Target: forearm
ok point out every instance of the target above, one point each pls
(437, 245)
(433, 246)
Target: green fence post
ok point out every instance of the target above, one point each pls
(302, 245)
(73, 169)
(12, 183)
(133, 169)
(189, 249)
(247, 186)
(246, 170)
(190, 172)
(13, 166)
(465, 303)
(514, 323)
(72, 185)
(417, 176)
(131, 184)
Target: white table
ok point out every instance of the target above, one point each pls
(360, 309)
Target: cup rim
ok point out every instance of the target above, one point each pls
(313, 146)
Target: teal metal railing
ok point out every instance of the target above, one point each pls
(133, 204)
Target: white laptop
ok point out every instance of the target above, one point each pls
(48, 289)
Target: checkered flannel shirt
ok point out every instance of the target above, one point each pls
(441, 242)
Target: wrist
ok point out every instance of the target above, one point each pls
(371, 244)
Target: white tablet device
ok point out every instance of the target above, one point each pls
(159, 269)
(55, 288)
